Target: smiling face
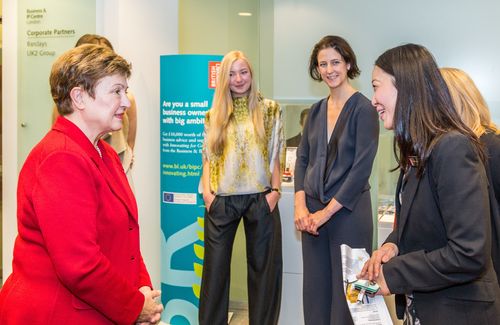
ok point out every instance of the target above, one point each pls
(104, 113)
(240, 78)
(385, 95)
(332, 67)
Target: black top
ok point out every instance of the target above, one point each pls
(347, 176)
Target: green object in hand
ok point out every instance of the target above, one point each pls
(369, 287)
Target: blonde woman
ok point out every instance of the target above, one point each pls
(474, 112)
(243, 150)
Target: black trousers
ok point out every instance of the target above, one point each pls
(323, 286)
(264, 258)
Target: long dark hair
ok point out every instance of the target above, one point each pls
(424, 109)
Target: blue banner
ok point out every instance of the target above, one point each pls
(187, 83)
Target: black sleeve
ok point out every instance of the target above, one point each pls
(463, 203)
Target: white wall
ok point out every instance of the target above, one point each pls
(141, 31)
(9, 136)
(459, 33)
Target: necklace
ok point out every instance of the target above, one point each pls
(98, 150)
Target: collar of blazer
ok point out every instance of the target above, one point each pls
(108, 166)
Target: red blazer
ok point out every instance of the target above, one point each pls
(76, 258)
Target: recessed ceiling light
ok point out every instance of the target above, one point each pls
(244, 14)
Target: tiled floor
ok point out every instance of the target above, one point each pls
(239, 312)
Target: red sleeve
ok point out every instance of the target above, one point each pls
(66, 201)
(144, 279)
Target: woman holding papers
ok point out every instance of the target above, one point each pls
(438, 258)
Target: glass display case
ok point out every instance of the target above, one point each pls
(386, 185)
(294, 118)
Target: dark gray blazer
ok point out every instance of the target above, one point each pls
(348, 176)
(445, 243)
(294, 141)
(492, 144)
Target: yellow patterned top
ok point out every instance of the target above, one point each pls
(246, 164)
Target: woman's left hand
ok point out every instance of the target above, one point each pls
(272, 199)
(373, 266)
(150, 316)
(384, 289)
(316, 220)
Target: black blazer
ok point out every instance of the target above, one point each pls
(492, 144)
(445, 244)
(294, 141)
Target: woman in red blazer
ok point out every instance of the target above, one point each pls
(77, 258)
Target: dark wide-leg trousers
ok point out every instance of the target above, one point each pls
(264, 258)
(323, 285)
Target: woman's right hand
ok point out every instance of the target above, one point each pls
(151, 311)
(301, 214)
(208, 198)
(301, 217)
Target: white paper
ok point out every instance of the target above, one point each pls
(374, 312)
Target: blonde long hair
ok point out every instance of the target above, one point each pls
(221, 112)
(468, 101)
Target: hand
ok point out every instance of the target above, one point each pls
(132, 160)
(384, 289)
(145, 289)
(371, 269)
(301, 217)
(272, 199)
(316, 220)
(151, 311)
(208, 198)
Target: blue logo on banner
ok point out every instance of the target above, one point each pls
(168, 197)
